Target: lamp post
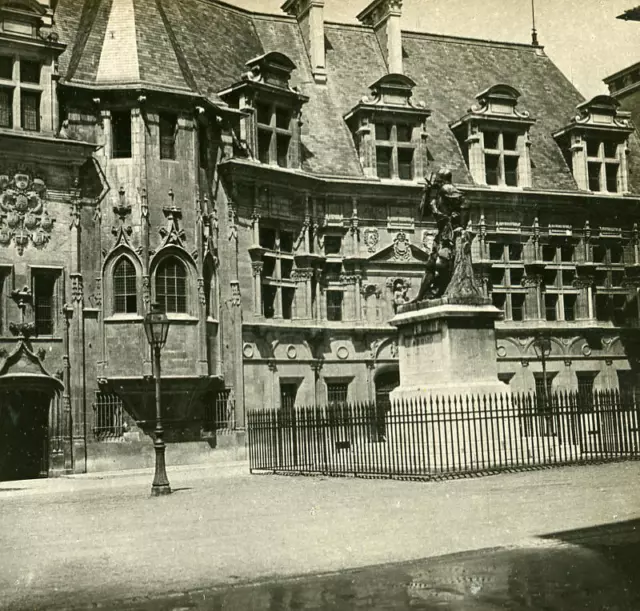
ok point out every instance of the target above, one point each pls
(156, 326)
(542, 346)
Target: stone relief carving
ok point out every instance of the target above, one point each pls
(23, 213)
(172, 234)
(401, 247)
(400, 288)
(371, 238)
(428, 238)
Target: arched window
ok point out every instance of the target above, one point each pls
(171, 285)
(125, 295)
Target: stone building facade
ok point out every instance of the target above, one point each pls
(259, 176)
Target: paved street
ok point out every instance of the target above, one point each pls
(81, 541)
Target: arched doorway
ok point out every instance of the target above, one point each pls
(385, 381)
(26, 409)
(24, 434)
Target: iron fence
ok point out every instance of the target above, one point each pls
(439, 437)
(108, 420)
(219, 411)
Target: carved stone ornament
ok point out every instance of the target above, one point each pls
(201, 292)
(172, 234)
(371, 238)
(371, 289)
(23, 214)
(236, 298)
(122, 208)
(256, 267)
(77, 288)
(401, 247)
(428, 238)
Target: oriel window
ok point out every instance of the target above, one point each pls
(121, 134)
(171, 285)
(6, 107)
(168, 131)
(30, 110)
(44, 300)
(125, 294)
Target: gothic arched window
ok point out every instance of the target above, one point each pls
(171, 285)
(125, 294)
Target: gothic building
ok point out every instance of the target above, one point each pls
(259, 177)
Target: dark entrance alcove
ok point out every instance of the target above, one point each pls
(385, 381)
(27, 416)
(24, 443)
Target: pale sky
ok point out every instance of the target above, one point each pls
(583, 37)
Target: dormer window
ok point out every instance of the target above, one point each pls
(494, 137)
(595, 145)
(501, 158)
(272, 125)
(20, 87)
(389, 130)
(274, 133)
(30, 72)
(394, 150)
(603, 166)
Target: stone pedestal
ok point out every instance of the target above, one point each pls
(450, 408)
(447, 349)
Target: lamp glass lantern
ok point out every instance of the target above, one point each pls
(542, 346)
(156, 326)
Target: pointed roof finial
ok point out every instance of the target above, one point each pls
(534, 32)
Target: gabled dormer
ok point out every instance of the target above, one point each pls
(271, 131)
(389, 130)
(29, 49)
(494, 138)
(595, 145)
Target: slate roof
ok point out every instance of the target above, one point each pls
(201, 46)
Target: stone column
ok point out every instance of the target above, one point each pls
(256, 268)
(236, 317)
(533, 299)
(146, 279)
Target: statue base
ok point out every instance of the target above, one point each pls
(447, 355)
(447, 349)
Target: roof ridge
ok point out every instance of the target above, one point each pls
(466, 40)
(87, 20)
(183, 64)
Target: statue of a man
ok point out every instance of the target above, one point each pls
(448, 207)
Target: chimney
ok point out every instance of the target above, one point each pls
(384, 17)
(310, 16)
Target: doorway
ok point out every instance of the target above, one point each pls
(385, 382)
(24, 434)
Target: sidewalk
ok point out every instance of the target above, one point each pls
(82, 540)
(121, 479)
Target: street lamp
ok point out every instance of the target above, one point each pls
(542, 346)
(156, 326)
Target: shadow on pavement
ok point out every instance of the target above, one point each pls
(593, 569)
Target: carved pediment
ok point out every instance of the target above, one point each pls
(399, 252)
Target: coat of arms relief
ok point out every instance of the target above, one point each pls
(23, 213)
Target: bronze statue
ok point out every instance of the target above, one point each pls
(447, 205)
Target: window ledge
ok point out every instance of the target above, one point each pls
(123, 318)
(185, 319)
(212, 320)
